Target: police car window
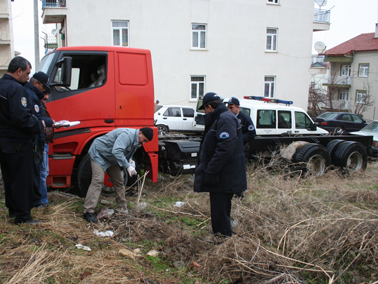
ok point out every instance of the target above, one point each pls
(284, 119)
(302, 121)
(88, 71)
(247, 111)
(188, 112)
(266, 119)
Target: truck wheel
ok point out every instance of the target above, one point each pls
(314, 156)
(162, 129)
(351, 156)
(339, 130)
(332, 147)
(84, 176)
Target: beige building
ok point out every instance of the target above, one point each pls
(353, 78)
(235, 48)
(6, 36)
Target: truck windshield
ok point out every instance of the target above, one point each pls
(45, 63)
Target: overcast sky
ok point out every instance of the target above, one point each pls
(349, 18)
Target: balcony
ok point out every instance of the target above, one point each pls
(338, 81)
(321, 20)
(54, 11)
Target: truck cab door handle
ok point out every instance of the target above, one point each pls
(184, 119)
(109, 120)
(164, 118)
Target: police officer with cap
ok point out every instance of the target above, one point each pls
(248, 129)
(36, 88)
(17, 128)
(221, 167)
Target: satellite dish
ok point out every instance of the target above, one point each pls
(319, 46)
(54, 32)
(321, 2)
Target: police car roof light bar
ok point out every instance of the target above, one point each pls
(264, 99)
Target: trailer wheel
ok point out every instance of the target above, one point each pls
(84, 176)
(351, 156)
(332, 147)
(314, 157)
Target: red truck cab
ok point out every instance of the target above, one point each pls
(104, 88)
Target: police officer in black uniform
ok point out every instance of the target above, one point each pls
(248, 129)
(221, 167)
(17, 129)
(35, 88)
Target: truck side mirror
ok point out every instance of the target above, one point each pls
(65, 65)
(313, 127)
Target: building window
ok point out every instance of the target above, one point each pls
(273, 1)
(363, 70)
(271, 39)
(345, 70)
(197, 86)
(361, 97)
(269, 86)
(120, 33)
(343, 95)
(199, 36)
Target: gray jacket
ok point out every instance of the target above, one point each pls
(115, 147)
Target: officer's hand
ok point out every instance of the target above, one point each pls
(44, 125)
(131, 170)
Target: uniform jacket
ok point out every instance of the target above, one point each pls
(221, 165)
(49, 130)
(248, 129)
(35, 97)
(17, 123)
(115, 147)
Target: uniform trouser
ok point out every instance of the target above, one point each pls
(17, 169)
(94, 190)
(220, 206)
(44, 172)
(36, 194)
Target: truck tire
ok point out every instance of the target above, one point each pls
(332, 147)
(84, 176)
(314, 156)
(351, 156)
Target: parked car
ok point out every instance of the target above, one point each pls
(176, 118)
(370, 130)
(340, 122)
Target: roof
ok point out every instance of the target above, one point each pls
(363, 42)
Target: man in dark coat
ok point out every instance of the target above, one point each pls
(36, 87)
(248, 129)
(221, 167)
(17, 128)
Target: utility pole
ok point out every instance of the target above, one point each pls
(36, 34)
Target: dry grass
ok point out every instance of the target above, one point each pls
(288, 230)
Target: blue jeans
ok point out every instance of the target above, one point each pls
(44, 168)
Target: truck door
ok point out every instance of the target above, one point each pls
(188, 119)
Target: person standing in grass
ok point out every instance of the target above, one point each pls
(221, 167)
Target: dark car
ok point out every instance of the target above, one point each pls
(340, 122)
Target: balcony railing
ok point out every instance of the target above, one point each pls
(318, 61)
(338, 81)
(322, 16)
(53, 3)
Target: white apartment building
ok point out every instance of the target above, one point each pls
(234, 48)
(6, 36)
